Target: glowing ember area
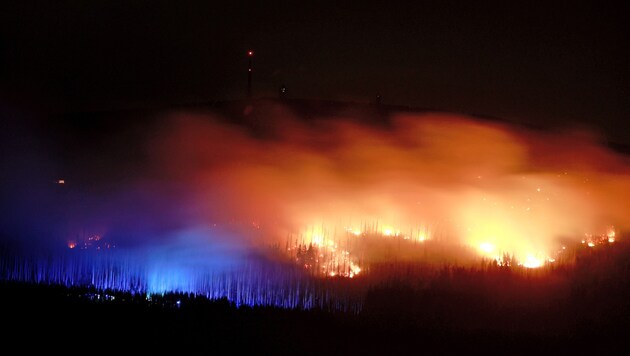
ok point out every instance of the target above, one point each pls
(322, 256)
(532, 262)
(605, 238)
(91, 242)
(338, 252)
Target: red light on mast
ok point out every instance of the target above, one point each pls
(250, 56)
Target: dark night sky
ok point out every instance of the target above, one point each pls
(561, 63)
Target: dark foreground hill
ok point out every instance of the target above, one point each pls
(569, 309)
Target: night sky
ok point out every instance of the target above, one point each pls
(549, 63)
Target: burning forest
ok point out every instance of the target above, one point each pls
(267, 205)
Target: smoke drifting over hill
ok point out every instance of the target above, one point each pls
(480, 183)
(276, 175)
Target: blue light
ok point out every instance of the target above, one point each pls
(243, 281)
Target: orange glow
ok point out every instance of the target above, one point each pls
(361, 193)
(532, 262)
(72, 244)
(389, 230)
(487, 247)
(593, 240)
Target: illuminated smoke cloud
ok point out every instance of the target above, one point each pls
(495, 187)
